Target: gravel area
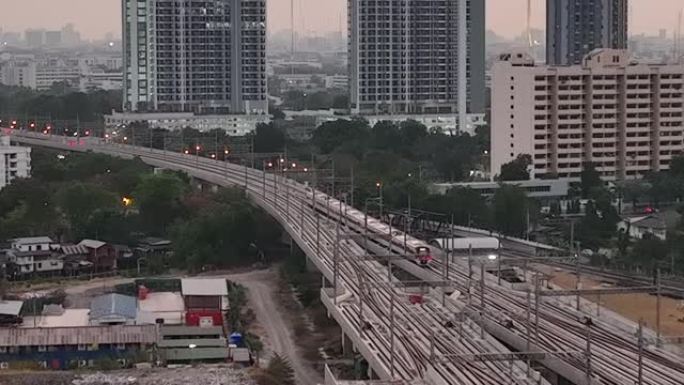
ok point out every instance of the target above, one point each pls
(201, 375)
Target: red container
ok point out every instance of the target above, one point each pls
(192, 318)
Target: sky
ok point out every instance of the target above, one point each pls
(95, 18)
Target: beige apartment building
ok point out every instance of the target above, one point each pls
(626, 118)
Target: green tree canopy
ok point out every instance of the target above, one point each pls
(158, 197)
(510, 208)
(516, 169)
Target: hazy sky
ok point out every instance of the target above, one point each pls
(94, 18)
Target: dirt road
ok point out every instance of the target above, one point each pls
(261, 285)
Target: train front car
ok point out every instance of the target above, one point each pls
(423, 255)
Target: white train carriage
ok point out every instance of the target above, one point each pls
(474, 246)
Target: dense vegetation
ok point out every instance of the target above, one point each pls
(60, 106)
(76, 196)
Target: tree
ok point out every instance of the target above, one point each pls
(466, 205)
(516, 169)
(158, 197)
(278, 372)
(677, 166)
(331, 135)
(590, 180)
(648, 252)
(510, 210)
(79, 202)
(269, 138)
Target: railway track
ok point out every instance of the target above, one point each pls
(614, 355)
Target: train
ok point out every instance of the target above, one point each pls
(420, 252)
(475, 246)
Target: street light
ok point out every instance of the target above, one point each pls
(379, 186)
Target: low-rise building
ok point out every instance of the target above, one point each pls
(102, 255)
(541, 189)
(205, 300)
(15, 162)
(188, 344)
(32, 255)
(639, 227)
(73, 347)
(233, 125)
(10, 312)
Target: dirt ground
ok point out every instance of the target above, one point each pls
(279, 331)
(631, 306)
(200, 375)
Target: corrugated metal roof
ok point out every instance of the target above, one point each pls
(11, 307)
(198, 353)
(74, 250)
(32, 240)
(120, 334)
(113, 305)
(92, 244)
(204, 286)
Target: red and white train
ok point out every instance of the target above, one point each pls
(419, 251)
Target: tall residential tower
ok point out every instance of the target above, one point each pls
(201, 56)
(416, 56)
(576, 27)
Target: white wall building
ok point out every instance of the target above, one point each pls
(15, 162)
(234, 125)
(19, 73)
(33, 254)
(626, 118)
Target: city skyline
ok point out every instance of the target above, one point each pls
(505, 17)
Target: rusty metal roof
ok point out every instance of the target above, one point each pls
(120, 334)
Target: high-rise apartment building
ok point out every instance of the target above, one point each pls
(576, 27)
(416, 56)
(625, 118)
(201, 56)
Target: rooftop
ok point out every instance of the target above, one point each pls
(11, 307)
(204, 286)
(91, 244)
(650, 221)
(70, 318)
(162, 302)
(78, 335)
(32, 240)
(113, 305)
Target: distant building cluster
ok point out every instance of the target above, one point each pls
(41, 71)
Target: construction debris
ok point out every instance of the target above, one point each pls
(202, 375)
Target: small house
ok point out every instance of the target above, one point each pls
(205, 301)
(102, 255)
(638, 227)
(10, 312)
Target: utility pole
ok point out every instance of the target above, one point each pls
(640, 342)
(658, 290)
(588, 373)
